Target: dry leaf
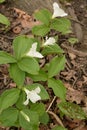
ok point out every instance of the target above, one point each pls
(74, 95)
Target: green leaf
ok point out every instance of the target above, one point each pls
(56, 65)
(52, 49)
(59, 128)
(62, 25)
(43, 93)
(41, 76)
(58, 88)
(38, 107)
(9, 98)
(28, 125)
(44, 16)
(21, 99)
(8, 117)
(6, 58)
(1, 1)
(17, 74)
(44, 119)
(4, 20)
(72, 110)
(40, 30)
(21, 45)
(29, 65)
(73, 40)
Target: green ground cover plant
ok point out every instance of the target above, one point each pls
(3, 19)
(23, 105)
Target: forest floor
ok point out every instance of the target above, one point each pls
(74, 75)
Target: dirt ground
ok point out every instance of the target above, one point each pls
(74, 75)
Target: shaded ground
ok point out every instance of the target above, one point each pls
(75, 74)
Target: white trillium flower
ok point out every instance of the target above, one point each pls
(58, 12)
(32, 95)
(33, 53)
(49, 41)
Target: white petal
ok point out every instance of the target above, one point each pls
(32, 49)
(58, 12)
(34, 97)
(37, 90)
(26, 91)
(50, 41)
(33, 53)
(26, 102)
(38, 55)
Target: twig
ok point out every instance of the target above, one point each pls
(56, 117)
(76, 52)
(53, 114)
(75, 20)
(51, 104)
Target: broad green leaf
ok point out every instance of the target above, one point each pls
(56, 65)
(9, 116)
(40, 30)
(58, 88)
(17, 74)
(29, 65)
(24, 123)
(43, 93)
(4, 20)
(72, 110)
(44, 119)
(62, 25)
(52, 49)
(44, 16)
(21, 45)
(21, 99)
(59, 128)
(1, 1)
(38, 107)
(35, 127)
(8, 98)
(6, 58)
(41, 76)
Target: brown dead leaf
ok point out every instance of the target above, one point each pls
(73, 123)
(28, 81)
(26, 20)
(12, 85)
(81, 126)
(29, 24)
(74, 95)
(79, 84)
(17, 30)
(42, 62)
(68, 75)
(85, 79)
(72, 56)
(21, 13)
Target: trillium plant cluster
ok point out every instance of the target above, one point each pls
(22, 106)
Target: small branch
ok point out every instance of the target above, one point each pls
(51, 104)
(75, 20)
(76, 52)
(56, 117)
